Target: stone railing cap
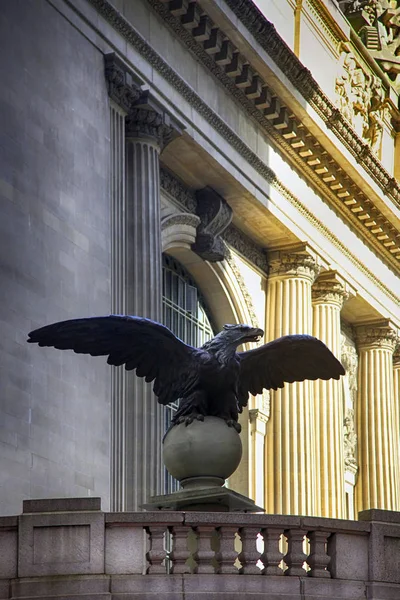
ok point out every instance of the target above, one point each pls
(61, 505)
(380, 515)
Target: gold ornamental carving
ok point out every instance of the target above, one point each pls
(361, 99)
(300, 265)
(329, 292)
(369, 337)
(350, 442)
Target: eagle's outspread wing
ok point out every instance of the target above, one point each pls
(287, 359)
(138, 343)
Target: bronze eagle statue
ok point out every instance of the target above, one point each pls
(214, 380)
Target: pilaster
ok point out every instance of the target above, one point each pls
(378, 482)
(328, 295)
(137, 418)
(290, 460)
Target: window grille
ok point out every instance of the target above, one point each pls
(185, 313)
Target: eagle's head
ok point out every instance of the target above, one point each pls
(241, 334)
(232, 336)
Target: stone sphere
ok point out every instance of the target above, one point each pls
(202, 454)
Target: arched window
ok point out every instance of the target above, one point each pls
(185, 313)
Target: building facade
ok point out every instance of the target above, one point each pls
(201, 163)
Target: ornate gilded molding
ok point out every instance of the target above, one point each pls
(350, 442)
(120, 24)
(349, 360)
(215, 216)
(361, 99)
(210, 45)
(378, 26)
(243, 287)
(376, 337)
(299, 265)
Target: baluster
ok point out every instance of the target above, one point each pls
(272, 556)
(157, 554)
(249, 556)
(227, 554)
(295, 556)
(318, 559)
(204, 556)
(180, 552)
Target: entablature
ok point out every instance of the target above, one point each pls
(268, 100)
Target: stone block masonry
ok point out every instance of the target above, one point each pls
(54, 255)
(60, 548)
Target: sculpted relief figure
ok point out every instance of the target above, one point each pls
(360, 98)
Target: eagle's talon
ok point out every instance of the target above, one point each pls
(234, 424)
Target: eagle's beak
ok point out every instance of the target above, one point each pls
(253, 336)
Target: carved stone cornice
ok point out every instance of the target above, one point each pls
(125, 29)
(329, 290)
(296, 264)
(215, 215)
(376, 336)
(221, 57)
(124, 87)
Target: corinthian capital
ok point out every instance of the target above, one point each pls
(381, 335)
(293, 264)
(329, 290)
(123, 85)
(149, 120)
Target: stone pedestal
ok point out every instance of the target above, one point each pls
(202, 455)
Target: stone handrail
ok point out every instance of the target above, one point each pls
(62, 548)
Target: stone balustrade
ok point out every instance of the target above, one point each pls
(69, 548)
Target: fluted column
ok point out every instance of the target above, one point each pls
(396, 388)
(290, 459)
(144, 416)
(378, 481)
(328, 295)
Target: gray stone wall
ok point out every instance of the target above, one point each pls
(54, 255)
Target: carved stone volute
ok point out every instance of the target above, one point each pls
(215, 216)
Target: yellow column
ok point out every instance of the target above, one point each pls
(396, 400)
(378, 481)
(328, 295)
(290, 460)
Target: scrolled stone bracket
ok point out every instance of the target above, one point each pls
(215, 216)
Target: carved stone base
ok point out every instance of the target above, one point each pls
(209, 499)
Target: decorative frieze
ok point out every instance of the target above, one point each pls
(245, 246)
(177, 189)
